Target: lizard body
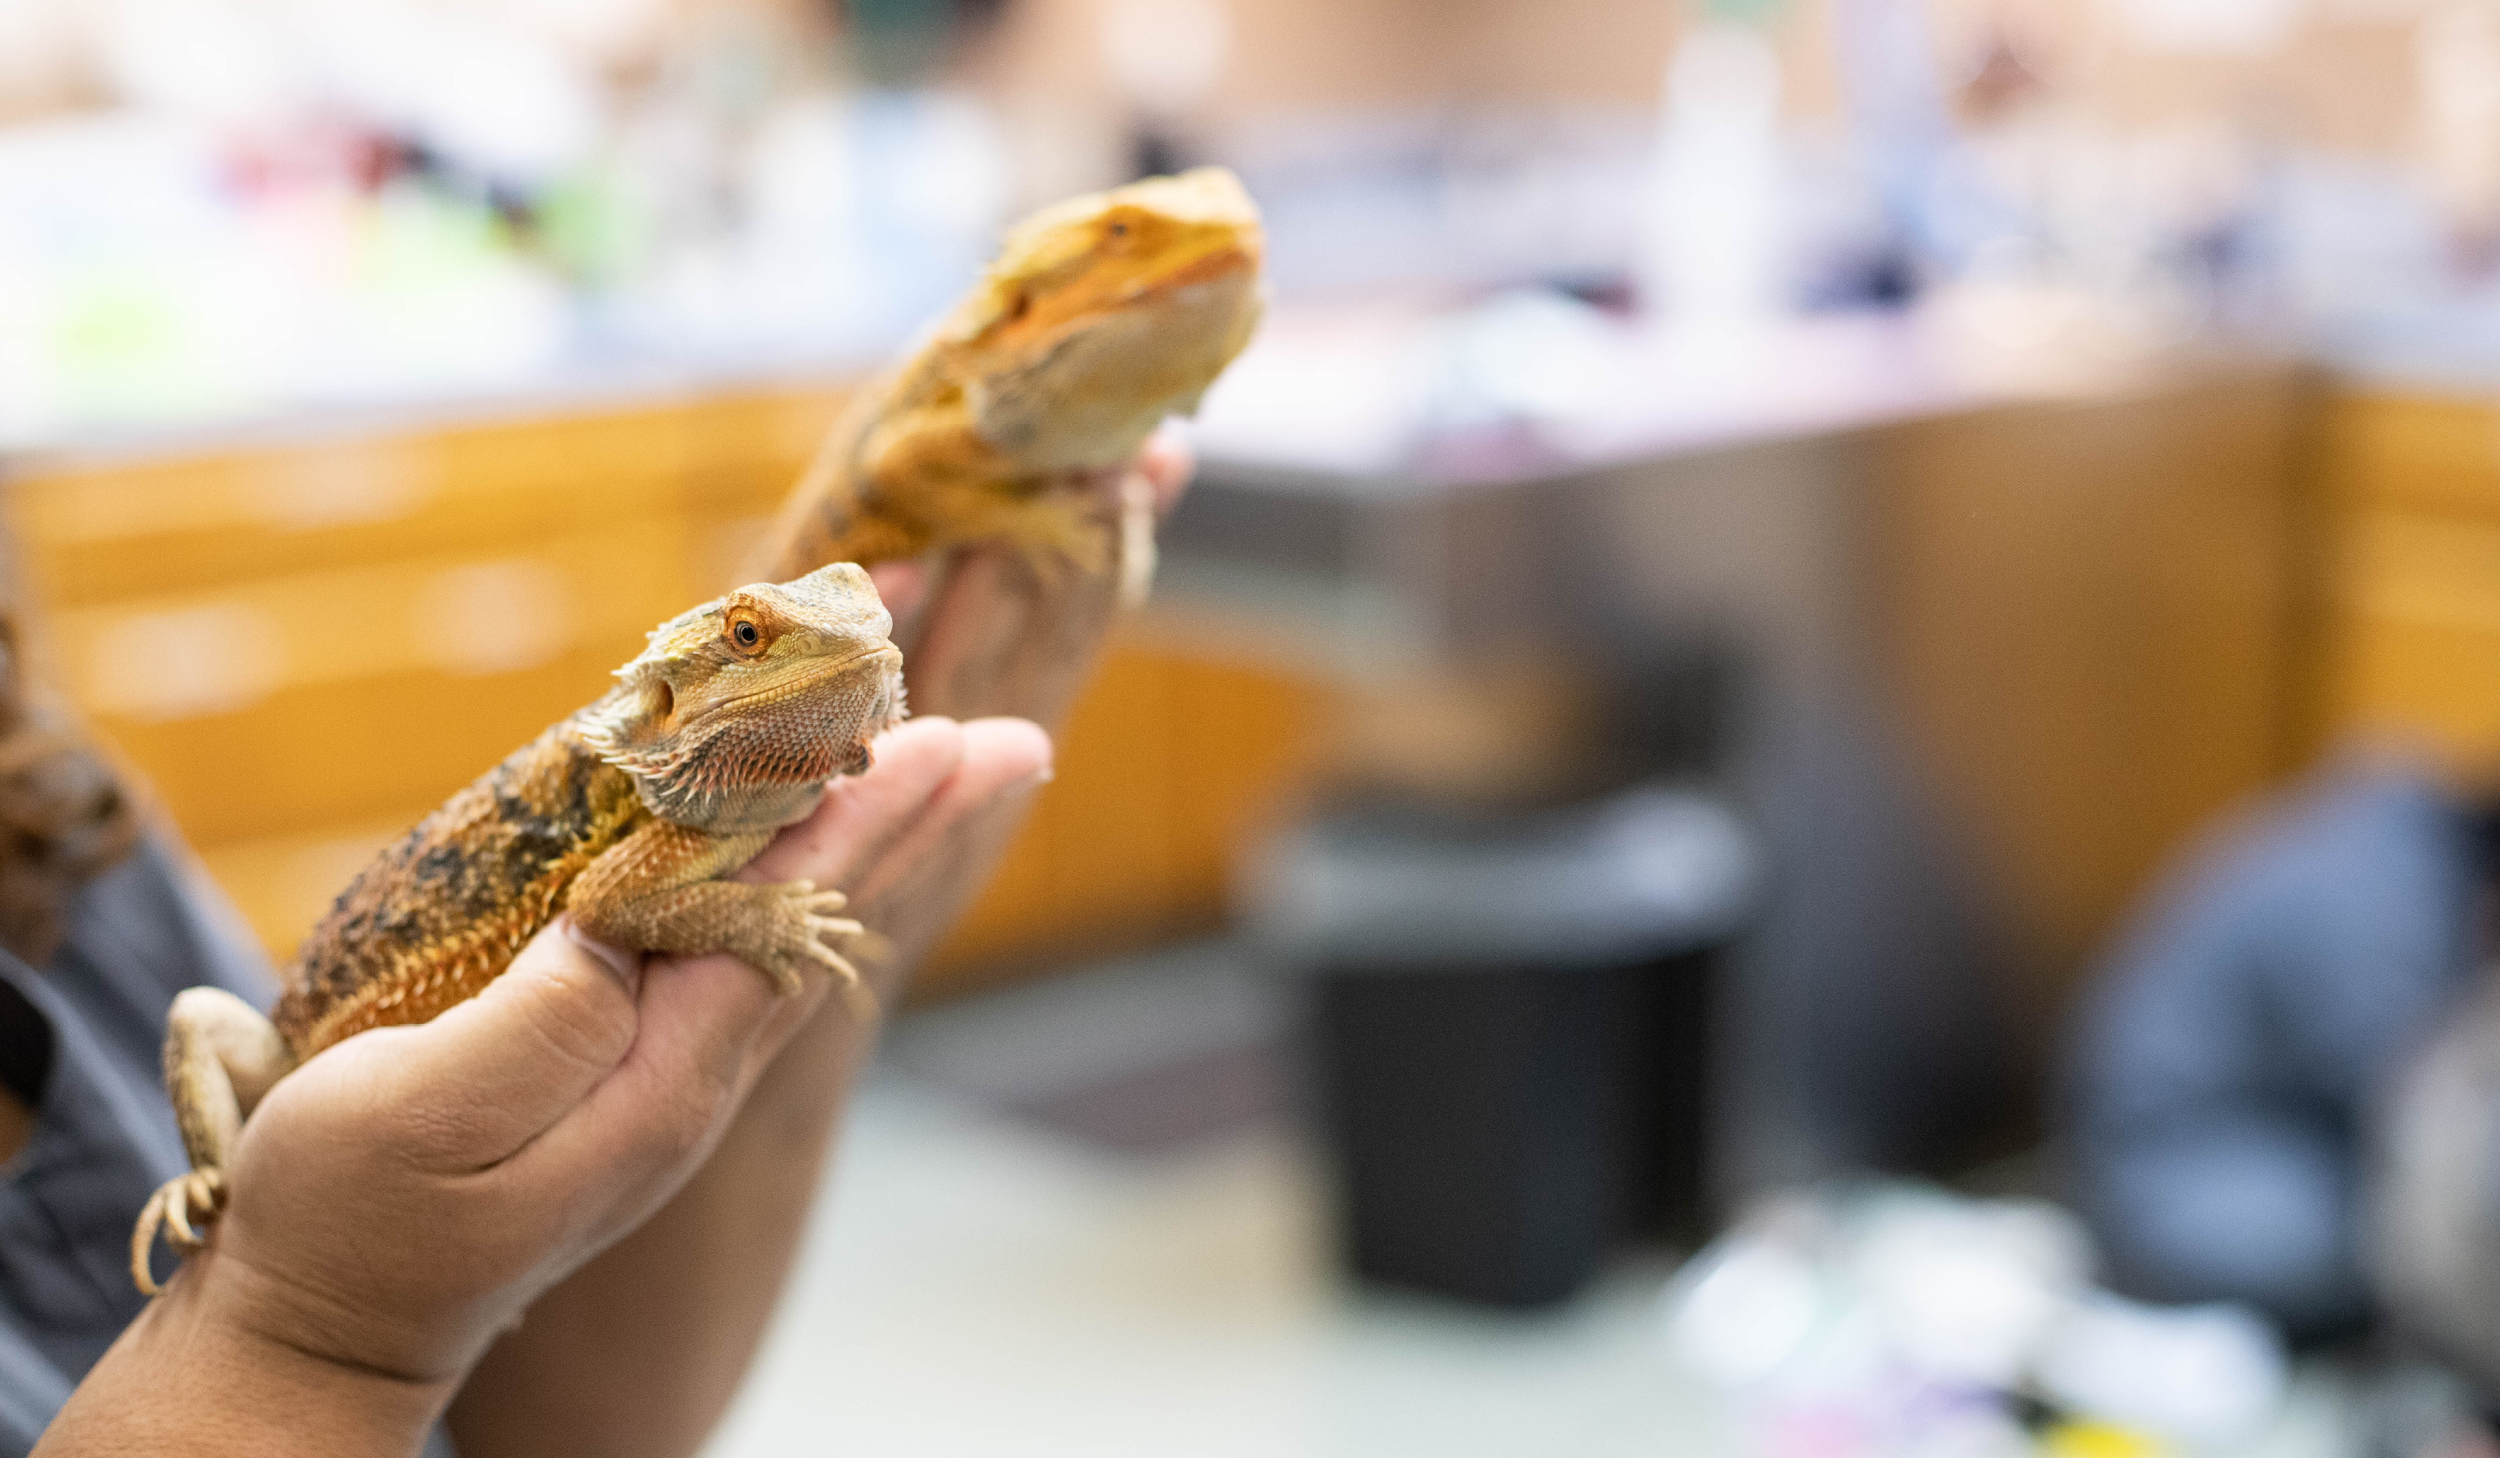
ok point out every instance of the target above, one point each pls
(627, 814)
(1100, 317)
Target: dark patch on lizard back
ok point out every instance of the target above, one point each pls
(441, 913)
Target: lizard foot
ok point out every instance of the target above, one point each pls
(804, 919)
(1055, 533)
(184, 1207)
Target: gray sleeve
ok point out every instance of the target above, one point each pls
(104, 1136)
(32, 1389)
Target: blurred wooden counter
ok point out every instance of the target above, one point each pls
(2408, 595)
(305, 644)
(2092, 623)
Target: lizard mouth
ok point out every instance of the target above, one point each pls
(886, 653)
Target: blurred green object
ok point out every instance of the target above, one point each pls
(897, 41)
(588, 228)
(1750, 12)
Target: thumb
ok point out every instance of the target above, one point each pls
(490, 1074)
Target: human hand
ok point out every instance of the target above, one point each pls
(982, 632)
(1164, 465)
(405, 1195)
(639, 1352)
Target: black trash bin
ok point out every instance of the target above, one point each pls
(1506, 1030)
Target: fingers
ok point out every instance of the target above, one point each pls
(477, 1084)
(970, 633)
(1167, 463)
(881, 835)
(1000, 756)
(930, 774)
(700, 1018)
(707, 1025)
(901, 586)
(861, 812)
(998, 640)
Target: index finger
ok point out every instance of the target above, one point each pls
(1167, 462)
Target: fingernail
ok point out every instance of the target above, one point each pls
(1043, 776)
(624, 965)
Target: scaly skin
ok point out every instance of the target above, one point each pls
(1100, 317)
(627, 814)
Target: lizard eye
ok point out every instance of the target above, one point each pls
(1019, 306)
(744, 632)
(1119, 230)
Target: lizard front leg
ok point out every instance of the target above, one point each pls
(657, 890)
(221, 1056)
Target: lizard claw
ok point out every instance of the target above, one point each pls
(199, 1194)
(854, 987)
(807, 922)
(821, 904)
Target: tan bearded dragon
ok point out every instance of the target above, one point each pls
(628, 815)
(1100, 317)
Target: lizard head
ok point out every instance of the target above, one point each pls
(742, 708)
(1106, 313)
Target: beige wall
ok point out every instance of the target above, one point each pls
(2343, 81)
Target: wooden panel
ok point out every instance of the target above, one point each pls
(2089, 610)
(2411, 596)
(2432, 684)
(2415, 452)
(1247, 746)
(2415, 632)
(749, 448)
(282, 704)
(1171, 763)
(102, 533)
(305, 646)
(2419, 567)
(1109, 821)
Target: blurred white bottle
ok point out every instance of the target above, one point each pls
(1710, 247)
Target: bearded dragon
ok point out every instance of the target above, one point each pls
(1100, 316)
(627, 814)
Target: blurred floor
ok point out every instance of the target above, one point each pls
(1133, 1262)
(1076, 1219)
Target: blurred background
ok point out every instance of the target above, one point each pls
(1813, 772)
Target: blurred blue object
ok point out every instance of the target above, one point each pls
(2223, 1066)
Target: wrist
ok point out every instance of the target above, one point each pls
(212, 1368)
(297, 1336)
